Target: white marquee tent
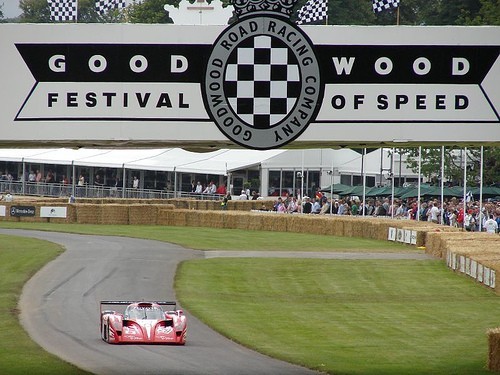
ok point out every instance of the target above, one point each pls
(171, 159)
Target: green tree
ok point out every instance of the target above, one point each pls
(34, 11)
(150, 11)
(489, 14)
(454, 162)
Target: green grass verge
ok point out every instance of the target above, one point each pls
(345, 316)
(337, 316)
(20, 258)
(225, 239)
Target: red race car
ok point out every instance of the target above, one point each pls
(143, 323)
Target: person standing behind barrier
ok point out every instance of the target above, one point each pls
(354, 208)
(307, 208)
(433, 212)
(39, 176)
(32, 177)
(80, 185)
(316, 207)
(199, 188)
(292, 206)
(279, 206)
(468, 221)
(225, 200)
(341, 207)
(491, 226)
(135, 183)
(116, 185)
(8, 197)
(221, 190)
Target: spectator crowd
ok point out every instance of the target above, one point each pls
(452, 212)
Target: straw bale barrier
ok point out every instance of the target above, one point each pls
(272, 221)
(437, 243)
(494, 349)
(139, 214)
(71, 213)
(115, 214)
(88, 213)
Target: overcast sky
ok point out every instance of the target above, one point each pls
(10, 8)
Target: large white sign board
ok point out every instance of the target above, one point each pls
(150, 85)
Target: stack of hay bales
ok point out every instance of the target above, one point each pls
(140, 214)
(438, 243)
(115, 214)
(88, 213)
(71, 211)
(494, 349)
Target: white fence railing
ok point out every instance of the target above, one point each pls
(93, 191)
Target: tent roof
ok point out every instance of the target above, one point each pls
(167, 159)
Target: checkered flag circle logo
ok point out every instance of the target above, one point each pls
(262, 81)
(262, 85)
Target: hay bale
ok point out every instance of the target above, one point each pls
(208, 219)
(255, 221)
(115, 214)
(241, 220)
(165, 217)
(202, 205)
(88, 213)
(140, 214)
(434, 244)
(180, 218)
(357, 227)
(494, 349)
(337, 227)
(71, 213)
(348, 227)
(300, 223)
(273, 222)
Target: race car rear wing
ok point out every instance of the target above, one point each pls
(170, 303)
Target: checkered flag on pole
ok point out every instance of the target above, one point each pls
(103, 6)
(63, 10)
(381, 5)
(314, 10)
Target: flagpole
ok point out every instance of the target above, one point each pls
(364, 178)
(465, 183)
(480, 216)
(392, 183)
(397, 17)
(442, 184)
(418, 186)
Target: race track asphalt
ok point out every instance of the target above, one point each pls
(60, 310)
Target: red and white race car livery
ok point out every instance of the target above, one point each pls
(144, 323)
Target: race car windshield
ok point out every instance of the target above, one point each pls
(140, 312)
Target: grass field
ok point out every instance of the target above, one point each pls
(225, 239)
(345, 316)
(20, 258)
(337, 316)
